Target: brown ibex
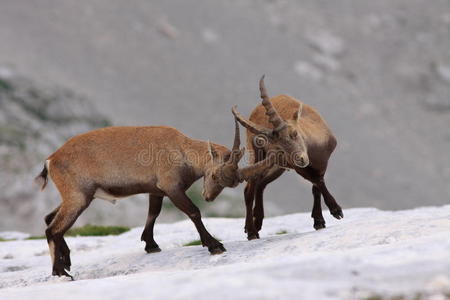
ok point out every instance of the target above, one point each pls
(117, 162)
(286, 126)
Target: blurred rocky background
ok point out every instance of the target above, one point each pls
(378, 71)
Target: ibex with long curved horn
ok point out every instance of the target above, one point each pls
(300, 139)
(116, 162)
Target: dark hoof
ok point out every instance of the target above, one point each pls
(152, 250)
(66, 262)
(337, 213)
(258, 224)
(319, 224)
(252, 236)
(61, 272)
(65, 256)
(219, 249)
(152, 247)
(63, 262)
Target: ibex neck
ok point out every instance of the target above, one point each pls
(199, 157)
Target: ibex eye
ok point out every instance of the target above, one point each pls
(214, 177)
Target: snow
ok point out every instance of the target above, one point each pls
(369, 252)
(306, 69)
(14, 235)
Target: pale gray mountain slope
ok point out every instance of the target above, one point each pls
(378, 71)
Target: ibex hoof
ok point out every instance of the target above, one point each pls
(319, 224)
(152, 247)
(152, 250)
(217, 249)
(252, 236)
(337, 213)
(61, 272)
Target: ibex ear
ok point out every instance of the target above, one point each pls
(211, 151)
(298, 113)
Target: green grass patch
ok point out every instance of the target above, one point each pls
(5, 85)
(399, 297)
(3, 240)
(36, 237)
(193, 243)
(93, 230)
(197, 243)
(90, 230)
(195, 194)
(282, 232)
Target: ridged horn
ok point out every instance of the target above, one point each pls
(254, 128)
(256, 169)
(236, 153)
(274, 118)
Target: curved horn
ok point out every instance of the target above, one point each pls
(274, 118)
(236, 153)
(254, 128)
(256, 169)
(237, 136)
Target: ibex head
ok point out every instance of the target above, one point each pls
(284, 137)
(219, 174)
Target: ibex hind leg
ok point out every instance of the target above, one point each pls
(72, 206)
(49, 218)
(154, 209)
(64, 248)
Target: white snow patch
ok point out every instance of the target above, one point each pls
(326, 42)
(443, 71)
(326, 62)
(6, 72)
(210, 36)
(13, 235)
(306, 69)
(368, 252)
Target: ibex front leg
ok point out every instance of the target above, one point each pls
(319, 221)
(249, 194)
(319, 188)
(154, 209)
(185, 204)
(335, 209)
(258, 211)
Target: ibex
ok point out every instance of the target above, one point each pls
(286, 126)
(116, 162)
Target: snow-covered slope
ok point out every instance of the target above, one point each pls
(369, 252)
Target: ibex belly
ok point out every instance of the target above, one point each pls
(101, 194)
